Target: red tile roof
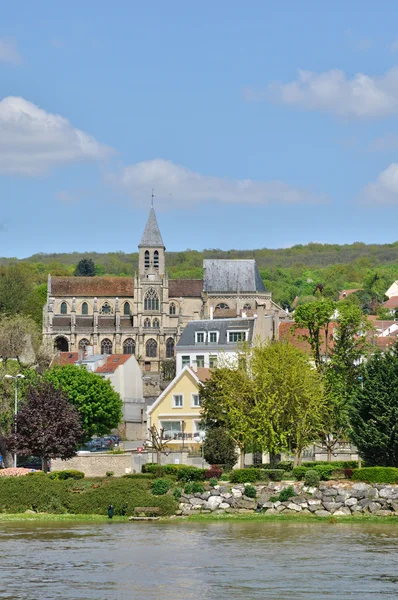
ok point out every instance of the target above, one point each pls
(92, 286)
(346, 293)
(294, 335)
(203, 374)
(180, 288)
(391, 302)
(113, 362)
(66, 358)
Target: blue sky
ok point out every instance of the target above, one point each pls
(260, 124)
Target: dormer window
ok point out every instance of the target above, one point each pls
(213, 337)
(236, 336)
(200, 337)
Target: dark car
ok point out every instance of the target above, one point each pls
(30, 462)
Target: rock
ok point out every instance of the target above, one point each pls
(231, 510)
(236, 493)
(224, 505)
(29, 512)
(317, 495)
(373, 493)
(394, 506)
(342, 512)
(305, 511)
(360, 494)
(312, 502)
(299, 500)
(280, 508)
(322, 513)
(351, 501)
(294, 507)
(243, 503)
(243, 511)
(268, 505)
(364, 502)
(330, 492)
(215, 493)
(227, 495)
(178, 513)
(383, 513)
(218, 512)
(373, 507)
(272, 511)
(361, 486)
(356, 509)
(386, 493)
(205, 495)
(332, 506)
(213, 502)
(277, 503)
(197, 502)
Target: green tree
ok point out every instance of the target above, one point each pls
(16, 288)
(316, 317)
(219, 448)
(85, 268)
(100, 407)
(374, 414)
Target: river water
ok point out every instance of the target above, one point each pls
(191, 561)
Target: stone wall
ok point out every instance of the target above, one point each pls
(330, 498)
(96, 464)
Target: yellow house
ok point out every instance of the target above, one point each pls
(177, 410)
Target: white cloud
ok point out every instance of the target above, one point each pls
(9, 53)
(332, 92)
(177, 186)
(385, 189)
(33, 140)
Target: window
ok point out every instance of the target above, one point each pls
(200, 361)
(171, 429)
(151, 349)
(83, 344)
(106, 309)
(156, 259)
(185, 361)
(147, 323)
(178, 401)
(151, 301)
(212, 362)
(247, 307)
(155, 324)
(172, 309)
(126, 309)
(129, 346)
(146, 259)
(170, 348)
(223, 306)
(195, 400)
(213, 337)
(64, 308)
(200, 337)
(106, 346)
(236, 336)
(84, 308)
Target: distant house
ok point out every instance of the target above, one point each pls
(392, 290)
(344, 293)
(392, 305)
(124, 373)
(177, 410)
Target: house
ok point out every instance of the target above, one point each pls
(177, 410)
(392, 290)
(392, 305)
(124, 373)
(206, 342)
(344, 293)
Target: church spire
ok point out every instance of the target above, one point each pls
(151, 238)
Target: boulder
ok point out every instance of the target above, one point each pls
(294, 507)
(300, 500)
(236, 493)
(356, 509)
(383, 513)
(373, 493)
(373, 507)
(386, 493)
(272, 511)
(213, 503)
(205, 495)
(342, 512)
(351, 501)
(330, 492)
(244, 503)
(332, 506)
(197, 502)
(268, 505)
(224, 505)
(361, 487)
(322, 513)
(215, 492)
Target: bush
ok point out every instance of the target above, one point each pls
(286, 493)
(213, 473)
(245, 475)
(160, 487)
(273, 474)
(311, 478)
(68, 474)
(286, 465)
(219, 447)
(197, 488)
(250, 491)
(188, 488)
(141, 476)
(190, 474)
(213, 482)
(376, 475)
(325, 471)
(177, 494)
(109, 473)
(337, 464)
(348, 473)
(225, 477)
(299, 473)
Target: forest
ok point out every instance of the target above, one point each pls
(293, 275)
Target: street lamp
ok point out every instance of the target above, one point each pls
(15, 377)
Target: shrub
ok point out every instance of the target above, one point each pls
(348, 473)
(213, 481)
(337, 464)
(376, 475)
(219, 447)
(188, 488)
(109, 473)
(197, 488)
(213, 473)
(285, 465)
(245, 475)
(311, 478)
(160, 487)
(286, 493)
(299, 473)
(274, 474)
(68, 474)
(325, 471)
(190, 474)
(225, 477)
(177, 494)
(141, 476)
(250, 491)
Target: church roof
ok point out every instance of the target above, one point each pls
(151, 236)
(92, 287)
(185, 288)
(228, 275)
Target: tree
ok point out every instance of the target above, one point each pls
(316, 317)
(16, 287)
(99, 406)
(19, 339)
(159, 443)
(374, 414)
(47, 425)
(219, 447)
(85, 268)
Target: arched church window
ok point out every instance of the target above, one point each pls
(172, 309)
(61, 344)
(106, 309)
(155, 324)
(151, 301)
(84, 308)
(146, 259)
(126, 308)
(83, 344)
(64, 308)
(151, 349)
(106, 346)
(147, 323)
(129, 346)
(247, 307)
(156, 259)
(222, 306)
(170, 348)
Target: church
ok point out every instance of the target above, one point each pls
(145, 315)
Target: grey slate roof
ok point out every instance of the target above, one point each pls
(187, 339)
(232, 276)
(151, 236)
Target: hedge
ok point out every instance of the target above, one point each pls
(253, 474)
(87, 496)
(376, 475)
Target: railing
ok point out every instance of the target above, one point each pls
(180, 436)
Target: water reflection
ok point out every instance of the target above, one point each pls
(264, 559)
